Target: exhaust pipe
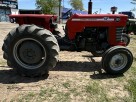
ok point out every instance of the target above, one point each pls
(90, 7)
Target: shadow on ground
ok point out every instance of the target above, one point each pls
(8, 76)
(95, 67)
(77, 66)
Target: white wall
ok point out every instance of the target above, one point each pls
(14, 11)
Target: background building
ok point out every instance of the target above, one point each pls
(8, 7)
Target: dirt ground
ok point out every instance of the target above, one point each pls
(77, 67)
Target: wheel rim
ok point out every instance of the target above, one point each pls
(29, 53)
(118, 62)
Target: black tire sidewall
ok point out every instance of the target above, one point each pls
(108, 50)
(12, 20)
(110, 54)
(19, 68)
(128, 38)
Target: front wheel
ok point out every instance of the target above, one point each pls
(126, 39)
(12, 20)
(117, 60)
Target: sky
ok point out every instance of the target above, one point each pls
(104, 5)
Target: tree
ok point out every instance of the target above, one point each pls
(47, 6)
(133, 2)
(77, 4)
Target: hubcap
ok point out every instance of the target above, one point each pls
(29, 53)
(118, 62)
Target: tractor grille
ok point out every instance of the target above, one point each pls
(119, 32)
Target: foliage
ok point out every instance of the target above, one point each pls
(133, 2)
(47, 6)
(77, 4)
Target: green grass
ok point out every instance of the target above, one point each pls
(29, 97)
(47, 94)
(93, 88)
(96, 93)
(66, 85)
(131, 86)
(132, 89)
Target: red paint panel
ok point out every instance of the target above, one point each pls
(39, 20)
(77, 23)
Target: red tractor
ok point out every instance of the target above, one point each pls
(33, 48)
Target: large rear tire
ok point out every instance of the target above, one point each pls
(117, 60)
(30, 50)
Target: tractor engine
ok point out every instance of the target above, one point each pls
(92, 39)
